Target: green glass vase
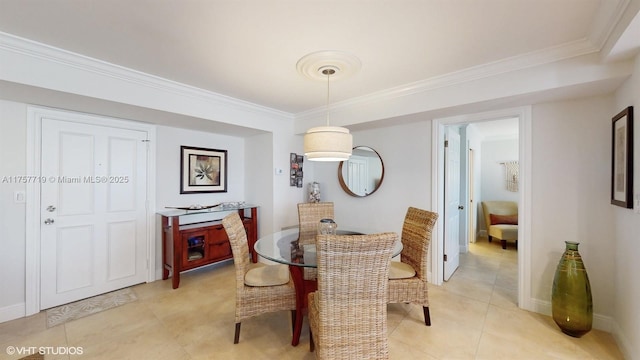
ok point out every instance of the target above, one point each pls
(571, 303)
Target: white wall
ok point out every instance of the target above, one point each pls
(625, 236)
(169, 140)
(286, 197)
(406, 153)
(270, 190)
(570, 196)
(12, 215)
(494, 152)
(258, 162)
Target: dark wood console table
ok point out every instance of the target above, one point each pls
(193, 238)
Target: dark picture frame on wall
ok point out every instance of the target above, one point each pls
(202, 170)
(622, 159)
(295, 171)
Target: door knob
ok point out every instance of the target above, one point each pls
(48, 221)
(51, 208)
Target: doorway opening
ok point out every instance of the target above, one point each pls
(439, 131)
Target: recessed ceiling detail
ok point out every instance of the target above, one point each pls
(313, 65)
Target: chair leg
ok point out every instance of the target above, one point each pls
(236, 339)
(427, 316)
(312, 345)
(504, 243)
(490, 238)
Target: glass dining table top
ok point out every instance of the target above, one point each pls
(282, 247)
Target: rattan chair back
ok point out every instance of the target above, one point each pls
(348, 312)
(416, 238)
(309, 216)
(252, 301)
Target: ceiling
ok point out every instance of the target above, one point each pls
(248, 49)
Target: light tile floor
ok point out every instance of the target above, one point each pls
(474, 316)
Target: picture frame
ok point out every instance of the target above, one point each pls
(622, 159)
(295, 169)
(202, 170)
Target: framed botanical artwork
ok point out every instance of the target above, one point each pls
(622, 159)
(202, 170)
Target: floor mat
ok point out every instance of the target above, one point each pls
(79, 309)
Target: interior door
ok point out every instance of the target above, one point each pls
(471, 204)
(358, 174)
(452, 202)
(93, 210)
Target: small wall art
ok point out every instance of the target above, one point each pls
(295, 172)
(202, 170)
(622, 159)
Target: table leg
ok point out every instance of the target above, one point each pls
(298, 283)
(303, 288)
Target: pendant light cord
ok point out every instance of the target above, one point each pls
(328, 72)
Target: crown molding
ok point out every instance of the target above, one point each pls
(49, 53)
(605, 21)
(545, 56)
(507, 65)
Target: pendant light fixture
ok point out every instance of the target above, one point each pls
(327, 143)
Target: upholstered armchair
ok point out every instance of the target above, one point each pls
(501, 219)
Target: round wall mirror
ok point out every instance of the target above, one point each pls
(362, 174)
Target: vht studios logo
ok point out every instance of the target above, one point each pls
(44, 350)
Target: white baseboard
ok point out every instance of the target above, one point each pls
(540, 306)
(12, 312)
(600, 322)
(624, 344)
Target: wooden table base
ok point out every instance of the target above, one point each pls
(303, 289)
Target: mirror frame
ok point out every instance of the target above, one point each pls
(344, 185)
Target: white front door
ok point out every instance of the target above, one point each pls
(93, 210)
(452, 202)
